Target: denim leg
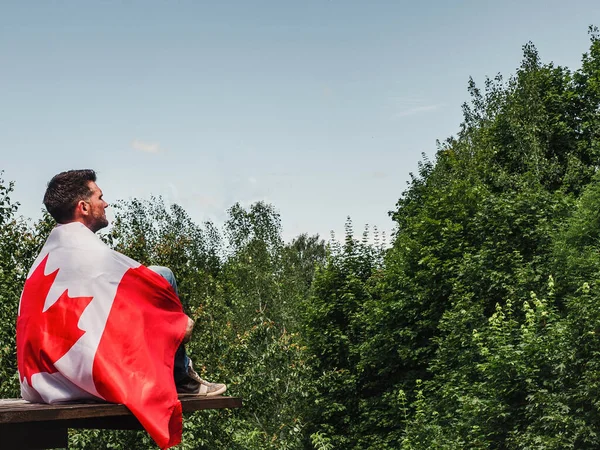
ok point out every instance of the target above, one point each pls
(181, 359)
(181, 364)
(167, 274)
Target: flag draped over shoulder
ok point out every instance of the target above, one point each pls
(95, 324)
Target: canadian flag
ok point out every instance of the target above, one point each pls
(94, 324)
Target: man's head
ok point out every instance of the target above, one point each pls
(73, 196)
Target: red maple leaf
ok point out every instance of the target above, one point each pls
(43, 337)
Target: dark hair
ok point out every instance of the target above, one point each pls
(65, 190)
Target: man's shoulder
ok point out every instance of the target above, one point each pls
(75, 235)
(78, 252)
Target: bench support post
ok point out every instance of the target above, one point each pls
(30, 436)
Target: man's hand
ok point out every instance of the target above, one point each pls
(188, 331)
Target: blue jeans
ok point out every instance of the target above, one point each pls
(181, 359)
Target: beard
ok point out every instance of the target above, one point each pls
(98, 223)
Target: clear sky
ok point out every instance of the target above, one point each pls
(320, 107)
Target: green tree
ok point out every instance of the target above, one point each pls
(474, 234)
(333, 330)
(19, 244)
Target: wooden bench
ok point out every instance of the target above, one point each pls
(25, 425)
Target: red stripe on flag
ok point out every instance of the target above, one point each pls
(134, 361)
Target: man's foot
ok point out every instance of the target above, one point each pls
(193, 384)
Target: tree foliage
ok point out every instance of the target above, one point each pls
(478, 327)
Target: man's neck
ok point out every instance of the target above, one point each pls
(76, 220)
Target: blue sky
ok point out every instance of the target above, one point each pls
(321, 108)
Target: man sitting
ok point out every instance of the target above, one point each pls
(73, 199)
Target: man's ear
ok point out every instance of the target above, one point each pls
(82, 208)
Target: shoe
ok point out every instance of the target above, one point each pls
(193, 384)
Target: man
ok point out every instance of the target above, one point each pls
(94, 323)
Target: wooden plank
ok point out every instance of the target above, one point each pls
(30, 426)
(20, 411)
